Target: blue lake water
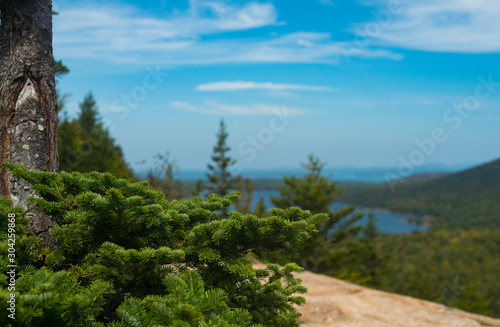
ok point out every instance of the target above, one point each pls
(388, 222)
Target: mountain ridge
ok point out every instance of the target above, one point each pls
(465, 199)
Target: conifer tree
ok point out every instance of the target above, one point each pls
(86, 144)
(260, 208)
(373, 260)
(87, 117)
(362, 260)
(317, 193)
(219, 176)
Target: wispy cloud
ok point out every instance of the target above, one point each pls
(190, 24)
(463, 26)
(197, 36)
(215, 108)
(243, 85)
(110, 31)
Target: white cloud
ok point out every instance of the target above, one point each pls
(462, 26)
(243, 85)
(191, 24)
(215, 108)
(105, 30)
(125, 35)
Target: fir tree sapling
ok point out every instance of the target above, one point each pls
(128, 257)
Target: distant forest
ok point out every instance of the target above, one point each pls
(464, 200)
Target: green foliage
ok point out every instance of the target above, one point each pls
(465, 200)
(456, 262)
(87, 118)
(45, 298)
(27, 247)
(372, 258)
(60, 69)
(317, 193)
(219, 176)
(85, 144)
(361, 260)
(458, 268)
(187, 304)
(128, 257)
(260, 208)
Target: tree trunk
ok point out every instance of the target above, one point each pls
(28, 112)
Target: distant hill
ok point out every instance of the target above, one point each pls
(424, 177)
(467, 199)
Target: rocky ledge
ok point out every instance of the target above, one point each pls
(332, 302)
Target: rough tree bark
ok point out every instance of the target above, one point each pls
(28, 112)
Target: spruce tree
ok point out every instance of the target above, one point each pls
(373, 260)
(317, 193)
(128, 257)
(87, 117)
(362, 260)
(219, 176)
(87, 145)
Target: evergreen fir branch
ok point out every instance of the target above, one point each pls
(127, 257)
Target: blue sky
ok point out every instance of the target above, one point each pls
(357, 83)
